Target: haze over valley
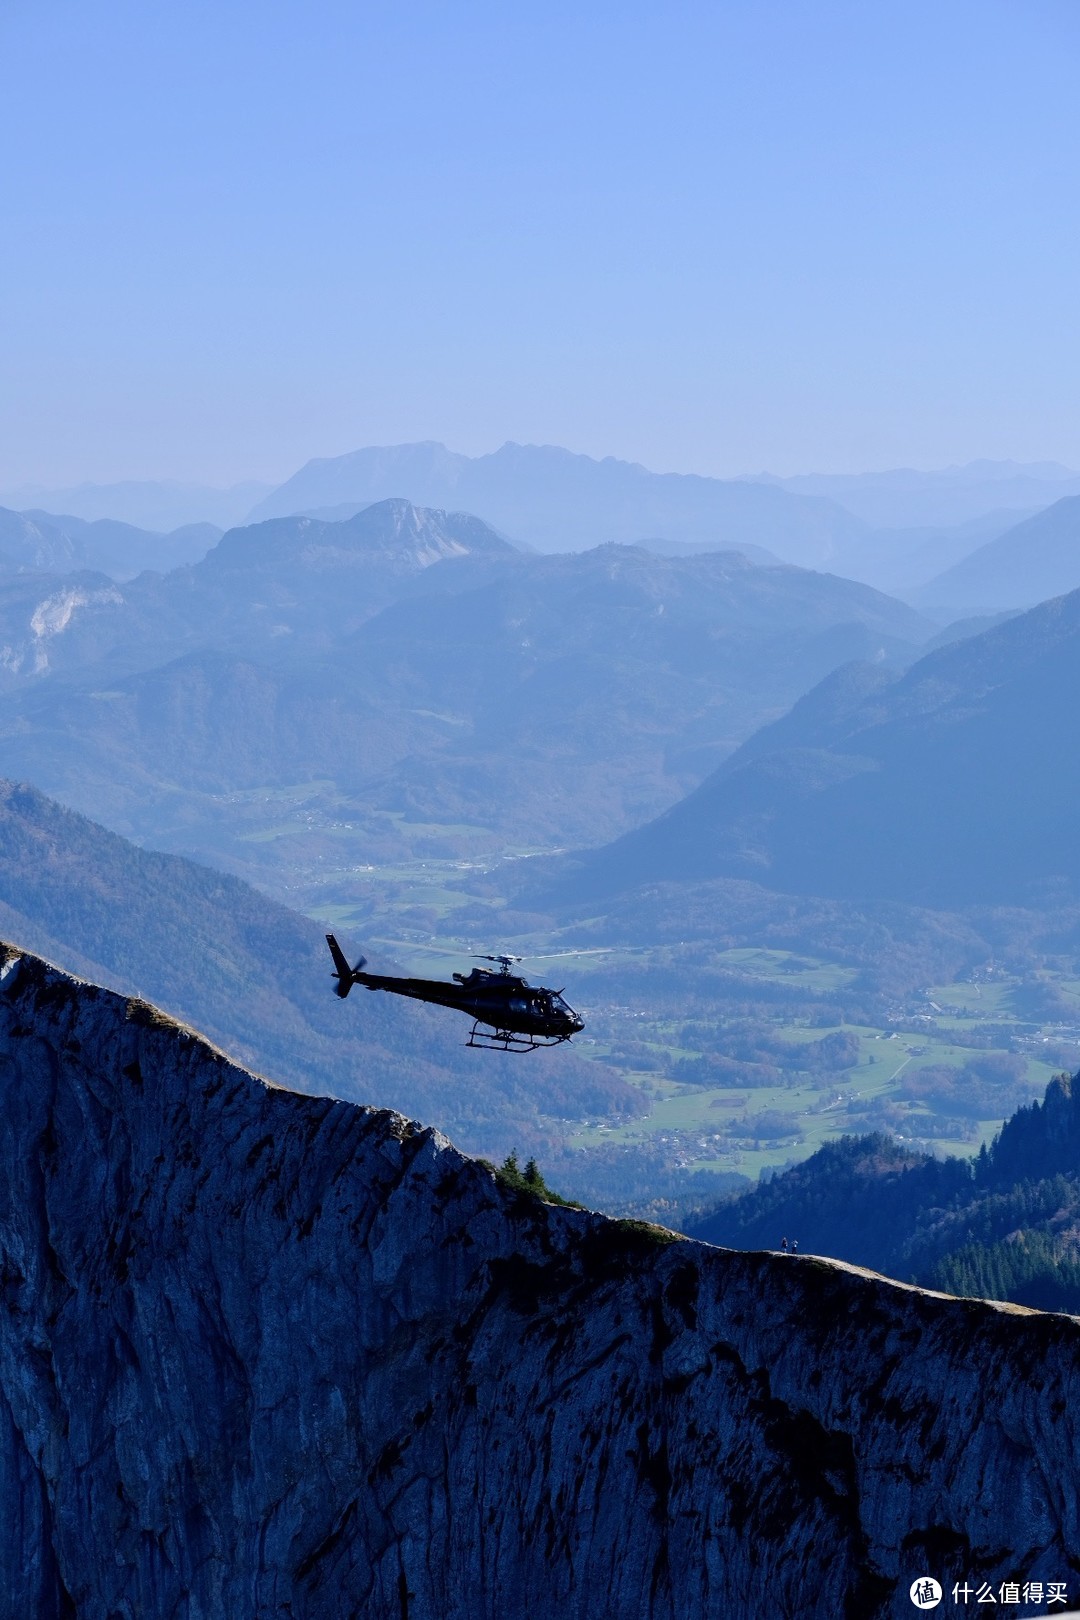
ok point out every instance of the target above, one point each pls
(539, 877)
(642, 761)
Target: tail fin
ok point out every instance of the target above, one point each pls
(344, 974)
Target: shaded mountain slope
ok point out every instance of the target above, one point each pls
(954, 784)
(277, 1354)
(902, 560)
(1034, 560)
(45, 542)
(28, 541)
(123, 551)
(858, 1199)
(256, 977)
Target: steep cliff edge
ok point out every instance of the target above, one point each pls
(267, 1354)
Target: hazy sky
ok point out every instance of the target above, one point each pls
(720, 237)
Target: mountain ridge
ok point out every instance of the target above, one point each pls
(557, 500)
(160, 505)
(211, 1281)
(1037, 559)
(864, 789)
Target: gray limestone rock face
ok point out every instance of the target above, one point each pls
(273, 1355)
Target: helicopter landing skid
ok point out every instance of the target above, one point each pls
(508, 1040)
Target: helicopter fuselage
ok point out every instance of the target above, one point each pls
(502, 1000)
(521, 1015)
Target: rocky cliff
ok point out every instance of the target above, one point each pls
(267, 1354)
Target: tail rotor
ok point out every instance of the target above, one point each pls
(344, 974)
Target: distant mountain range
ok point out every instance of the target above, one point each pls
(416, 662)
(894, 530)
(158, 505)
(955, 783)
(905, 497)
(258, 591)
(45, 542)
(557, 501)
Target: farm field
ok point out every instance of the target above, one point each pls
(661, 1014)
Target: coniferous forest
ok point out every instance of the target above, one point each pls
(1004, 1225)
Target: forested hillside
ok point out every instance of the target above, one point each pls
(1004, 1225)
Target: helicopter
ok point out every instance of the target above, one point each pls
(520, 1017)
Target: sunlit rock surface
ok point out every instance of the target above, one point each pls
(267, 1354)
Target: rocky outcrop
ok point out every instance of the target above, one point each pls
(267, 1354)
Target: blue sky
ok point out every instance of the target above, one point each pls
(785, 234)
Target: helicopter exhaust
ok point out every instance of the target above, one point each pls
(345, 974)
